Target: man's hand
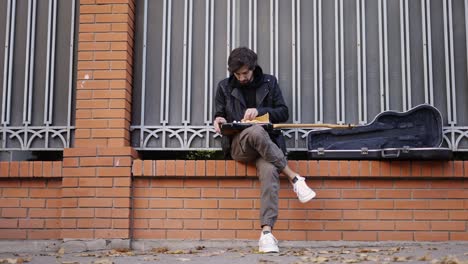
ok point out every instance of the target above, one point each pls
(217, 123)
(250, 114)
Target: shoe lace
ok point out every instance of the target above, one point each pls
(268, 239)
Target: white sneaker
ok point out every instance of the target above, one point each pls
(268, 244)
(304, 193)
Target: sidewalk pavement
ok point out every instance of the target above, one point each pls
(211, 252)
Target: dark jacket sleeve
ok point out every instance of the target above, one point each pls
(220, 110)
(278, 109)
(220, 102)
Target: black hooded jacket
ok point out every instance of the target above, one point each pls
(230, 103)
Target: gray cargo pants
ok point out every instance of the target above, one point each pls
(254, 144)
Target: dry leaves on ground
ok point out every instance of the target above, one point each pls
(159, 250)
(15, 260)
(449, 260)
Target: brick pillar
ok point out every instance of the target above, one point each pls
(97, 169)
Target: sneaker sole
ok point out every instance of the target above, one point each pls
(269, 250)
(308, 198)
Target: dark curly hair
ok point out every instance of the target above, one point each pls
(240, 57)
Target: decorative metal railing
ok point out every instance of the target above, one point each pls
(36, 74)
(337, 61)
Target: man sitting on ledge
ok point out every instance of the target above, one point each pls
(246, 94)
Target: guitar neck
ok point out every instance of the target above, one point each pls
(312, 126)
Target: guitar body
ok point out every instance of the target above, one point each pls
(415, 134)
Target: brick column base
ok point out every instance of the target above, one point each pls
(96, 193)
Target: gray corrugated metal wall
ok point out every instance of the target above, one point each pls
(337, 61)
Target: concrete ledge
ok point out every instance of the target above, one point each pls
(75, 246)
(148, 244)
(321, 168)
(29, 169)
(70, 246)
(29, 246)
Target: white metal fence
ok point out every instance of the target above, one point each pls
(337, 61)
(36, 74)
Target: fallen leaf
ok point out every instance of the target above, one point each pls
(395, 249)
(210, 254)
(373, 259)
(319, 259)
(400, 259)
(150, 259)
(266, 261)
(61, 251)
(425, 258)
(178, 251)
(119, 253)
(368, 250)
(200, 247)
(160, 250)
(8, 260)
(449, 260)
(87, 255)
(351, 260)
(122, 250)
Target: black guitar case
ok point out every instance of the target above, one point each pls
(415, 134)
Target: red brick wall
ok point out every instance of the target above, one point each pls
(219, 200)
(356, 200)
(30, 200)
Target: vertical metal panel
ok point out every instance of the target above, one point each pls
(364, 60)
(344, 62)
(403, 55)
(208, 82)
(187, 59)
(385, 57)
(342, 102)
(338, 57)
(49, 83)
(70, 71)
(165, 69)
(466, 32)
(143, 70)
(255, 21)
(229, 44)
(449, 71)
(208, 91)
(29, 62)
(361, 59)
(296, 61)
(408, 57)
(427, 52)
(7, 68)
(316, 75)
